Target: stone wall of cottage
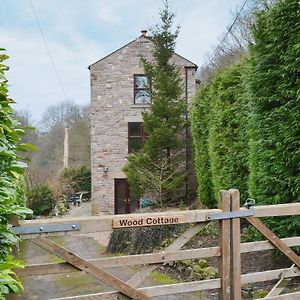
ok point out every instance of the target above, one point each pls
(112, 107)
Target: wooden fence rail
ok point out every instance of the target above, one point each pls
(105, 223)
(229, 250)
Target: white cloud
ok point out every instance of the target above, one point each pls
(33, 83)
(80, 32)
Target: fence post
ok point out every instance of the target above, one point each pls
(224, 238)
(235, 241)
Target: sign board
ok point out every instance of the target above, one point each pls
(147, 221)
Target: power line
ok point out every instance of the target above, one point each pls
(48, 50)
(225, 36)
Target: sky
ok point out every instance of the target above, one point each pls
(76, 33)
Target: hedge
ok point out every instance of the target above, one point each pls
(245, 121)
(220, 134)
(275, 104)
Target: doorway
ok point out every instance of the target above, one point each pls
(125, 202)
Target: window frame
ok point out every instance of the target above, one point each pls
(135, 89)
(142, 136)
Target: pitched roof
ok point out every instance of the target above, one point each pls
(191, 64)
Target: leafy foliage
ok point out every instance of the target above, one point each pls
(200, 132)
(12, 197)
(164, 123)
(275, 103)
(77, 179)
(142, 240)
(229, 149)
(156, 178)
(40, 199)
(219, 126)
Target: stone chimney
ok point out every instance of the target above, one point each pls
(144, 33)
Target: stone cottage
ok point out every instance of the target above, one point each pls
(118, 97)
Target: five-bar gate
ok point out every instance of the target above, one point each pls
(229, 250)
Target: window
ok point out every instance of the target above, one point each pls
(141, 95)
(136, 136)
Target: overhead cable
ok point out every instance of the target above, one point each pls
(48, 50)
(210, 59)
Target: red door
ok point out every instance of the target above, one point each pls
(125, 202)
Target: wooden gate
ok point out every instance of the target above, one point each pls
(229, 250)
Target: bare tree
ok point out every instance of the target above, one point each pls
(235, 42)
(50, 137)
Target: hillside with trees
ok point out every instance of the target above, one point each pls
(46, 179)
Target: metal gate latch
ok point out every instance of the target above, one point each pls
(231, 214)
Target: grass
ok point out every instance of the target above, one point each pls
(79, 282)
(23, 245)
(59, 239)
(55, 259)
(163, 278)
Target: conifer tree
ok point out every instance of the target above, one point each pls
(275, 105)
(158, 169)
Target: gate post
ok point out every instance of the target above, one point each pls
(235, 241)
(224, 240)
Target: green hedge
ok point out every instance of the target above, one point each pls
(219, 127)
(200, 131)
(275, 86)
(245, 121)
(275, 103)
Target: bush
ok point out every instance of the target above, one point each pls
(12, 197)
(228, 136)
(142, 240)
(220, 134)
(275, 104)
(200, 132)
(40, 200)
(76, 179)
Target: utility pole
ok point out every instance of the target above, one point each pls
(66, 148)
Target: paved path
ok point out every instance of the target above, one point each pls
(85, 209)
(78, 283)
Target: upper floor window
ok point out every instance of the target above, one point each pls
(141, 95)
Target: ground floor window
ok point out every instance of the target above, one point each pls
(136, 136)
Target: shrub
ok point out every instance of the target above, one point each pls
(76, 179)
(142, 240)
(275, 104)
(228, 136)
(220, 134)
(12, 198)
(200, 131)
(40, 199)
